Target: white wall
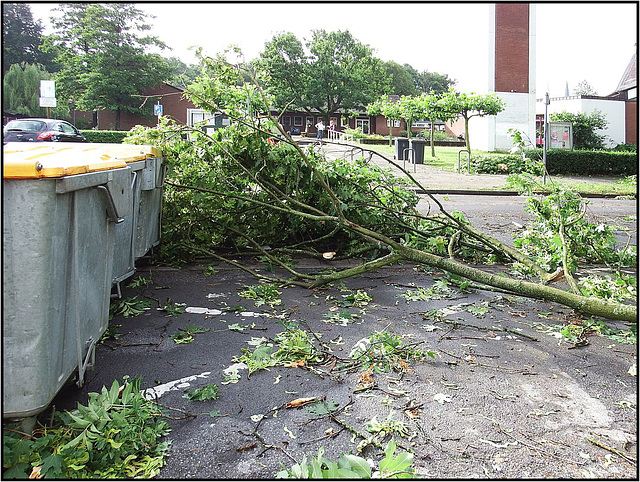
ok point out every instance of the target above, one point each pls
(614, 111)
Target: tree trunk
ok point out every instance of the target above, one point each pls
(433, 148)
(466, 134)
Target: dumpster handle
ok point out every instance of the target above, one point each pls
(111, 206)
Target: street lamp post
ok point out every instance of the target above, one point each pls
(545, 140)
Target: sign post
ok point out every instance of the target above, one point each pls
(157, 111)
(48, 94)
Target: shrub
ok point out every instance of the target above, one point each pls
(503, 164)
(628, 147)
(114, 137)
(588, 163)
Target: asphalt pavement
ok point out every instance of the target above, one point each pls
(437, 181)
(504, 395)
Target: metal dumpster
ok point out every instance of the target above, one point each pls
(138, 233)
(60, 204)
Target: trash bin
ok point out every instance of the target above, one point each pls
(401, 143)
(138, 233)
(418, 146)
(61, 204)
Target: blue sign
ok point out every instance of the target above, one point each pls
(157, 109)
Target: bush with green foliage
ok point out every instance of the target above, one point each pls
(627, 146)
(116, 435)
(584, 128)
(113, 137)
(588, 163)
(504, 164)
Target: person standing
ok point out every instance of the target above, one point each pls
(320, 127)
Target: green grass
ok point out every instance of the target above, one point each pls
(447, 160)
(446, 157)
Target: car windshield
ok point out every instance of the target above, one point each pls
(24, 125)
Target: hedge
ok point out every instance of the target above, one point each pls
(588, 163)
(114, 137)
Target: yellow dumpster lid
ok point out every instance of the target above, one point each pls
(28, 161)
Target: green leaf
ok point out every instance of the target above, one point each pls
(52, 466)
(322, 407)
(359, 465)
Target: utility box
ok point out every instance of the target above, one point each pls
(62, 206)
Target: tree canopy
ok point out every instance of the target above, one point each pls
(471, 105)
(102, 52)
(428, 82)
(331, 71)
(21, 91)
(22, 37)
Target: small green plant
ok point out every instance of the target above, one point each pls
(295, 347)
(111, 333)
(128, 307)
(116, 435)
(342, 318)
(358, 299)
(438, 291)
(263, 294)
(173, 309)
(209, 270)
(350, 466)
(384, 351)
(208, 392)
(186, 335)
(140, 282)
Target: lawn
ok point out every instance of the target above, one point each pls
(447, 160)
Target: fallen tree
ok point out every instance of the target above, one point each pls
(251, 189)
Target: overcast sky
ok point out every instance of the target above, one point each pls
(574, 41)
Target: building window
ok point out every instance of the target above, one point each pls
(297, 120)
(286, 121)
(363, 123)
(396, 123)
(309, 121)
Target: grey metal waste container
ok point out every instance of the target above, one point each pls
(61, 204)
(138, 233)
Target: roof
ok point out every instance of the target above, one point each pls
(629, 78)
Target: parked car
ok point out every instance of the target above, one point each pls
(40, 130)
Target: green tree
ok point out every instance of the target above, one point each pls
(103, 56)
(181, 73)
(470, 105)
(388, 107)
(428, 82)
(584, 128)
(401, 80)
(333, 72)
(584, 88)
(21, 37)
(21, 91)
